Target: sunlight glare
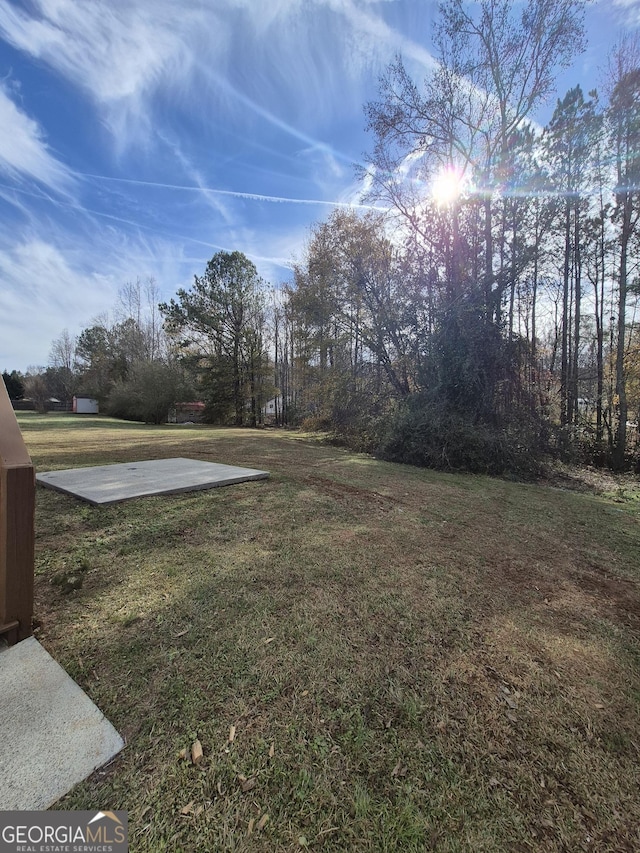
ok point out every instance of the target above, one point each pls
(446, 186)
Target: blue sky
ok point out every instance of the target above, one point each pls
(138, 138)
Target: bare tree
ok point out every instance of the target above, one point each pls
(138, 309)
(496, 63)
(63, 351)
(62, 374)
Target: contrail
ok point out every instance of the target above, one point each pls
(285, 263)
(233, 193)
(278, 122)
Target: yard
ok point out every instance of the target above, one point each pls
(374, 657)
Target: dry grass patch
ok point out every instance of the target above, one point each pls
(407, 660)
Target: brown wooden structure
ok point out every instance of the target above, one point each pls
(17, 527)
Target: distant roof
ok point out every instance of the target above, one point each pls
(197, 406)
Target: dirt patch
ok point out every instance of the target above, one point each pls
(616, 593)
(346, 492)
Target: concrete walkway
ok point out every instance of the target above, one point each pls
(52, 736)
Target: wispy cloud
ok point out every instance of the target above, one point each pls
(119, 52)
(23, 150)
(381, 34)
(43, 289)
(65, 279)
(125, 53)
(150, 243)
(630, 10)
(236, 97)
(232, 125)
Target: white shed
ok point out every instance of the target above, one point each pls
(85, 406)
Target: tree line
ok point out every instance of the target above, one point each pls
(124, 361)
(482, 319)
(209, 344)
(495, 302)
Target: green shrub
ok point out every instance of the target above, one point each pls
(150, 390)
(421, 433)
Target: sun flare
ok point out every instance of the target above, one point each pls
(446, 186)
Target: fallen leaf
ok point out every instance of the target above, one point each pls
(247, 784)
(196, 752)
(219, 787)
(263, 821)
(232, 734)
(305, 693)
(510, 702)
(188, 809)
(272, 750)
(493, 782)
(183, 754)
(599, 706)
(512, 717)
(399, 770)
(252, 822)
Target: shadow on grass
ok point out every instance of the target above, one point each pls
(409, 660)
(370, 712)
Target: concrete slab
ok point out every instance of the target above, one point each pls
(52, 736)
(108, 484)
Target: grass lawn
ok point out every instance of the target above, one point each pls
(374, 657)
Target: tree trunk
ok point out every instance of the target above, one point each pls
(620, 446)
(564, 349)
(573, 414)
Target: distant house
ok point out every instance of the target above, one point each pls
(184, 413)
(273, 408)
(269, 408)
(85, 406)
